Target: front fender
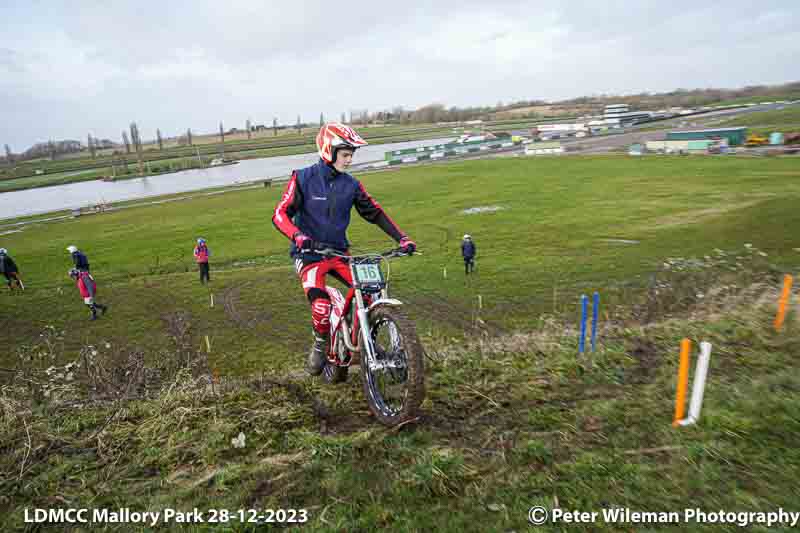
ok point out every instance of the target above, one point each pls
(384, 301)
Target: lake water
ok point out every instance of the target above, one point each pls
(75, 195)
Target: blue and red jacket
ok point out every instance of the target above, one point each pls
(468, 249)
(317, 203)
(86, 285)
(201, 253)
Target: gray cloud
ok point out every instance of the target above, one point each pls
(69, 70)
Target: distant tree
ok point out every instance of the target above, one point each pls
(424, 114)
(221, 142)
(160, 140)
(344, 118)
(321, 120)
(249, 128)
(126, 142)
(91, 144)
(51, 146)
(134, 136)
(189, 136)
(274, 127)
(137, 145)
(9, 155)
(299, 129)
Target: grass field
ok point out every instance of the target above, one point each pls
(555, 232)
(787, 117)
(789, 96)
(513, 418)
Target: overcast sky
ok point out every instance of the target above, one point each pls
(70, 68)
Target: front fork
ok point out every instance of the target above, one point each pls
(366, 347)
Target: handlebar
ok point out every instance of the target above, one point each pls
(331, 252)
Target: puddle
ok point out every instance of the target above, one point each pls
(484, 209)
(621, 241)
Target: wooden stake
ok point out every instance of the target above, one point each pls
(212, 299)
(208, 344)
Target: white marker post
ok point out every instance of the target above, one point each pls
(212, 299)
(699, 384)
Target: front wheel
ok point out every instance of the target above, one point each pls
(396, 387)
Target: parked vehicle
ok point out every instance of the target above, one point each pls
(756, 140)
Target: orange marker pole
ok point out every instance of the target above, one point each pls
(683, 382)
(783, 302)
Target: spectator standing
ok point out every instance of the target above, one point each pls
(201, 254)
(468, 251)
(9, 269)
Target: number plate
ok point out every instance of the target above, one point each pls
(368, 273)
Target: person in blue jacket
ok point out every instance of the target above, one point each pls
(314, 213)
(9, 269)
(468, 251)
(79, 258)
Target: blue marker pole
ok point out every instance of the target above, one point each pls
(595, 310)
(584, 312)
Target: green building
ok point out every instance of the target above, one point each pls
(735, 136)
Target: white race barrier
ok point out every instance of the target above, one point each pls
(699, 384)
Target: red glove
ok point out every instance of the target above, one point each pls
(303, 242)
(408, 245)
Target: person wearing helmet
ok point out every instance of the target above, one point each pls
(314, 212)
(78, 257)
(468, 251)
(9, 269)
(88, 289)
(201, 254)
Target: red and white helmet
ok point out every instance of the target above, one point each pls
(334, 136)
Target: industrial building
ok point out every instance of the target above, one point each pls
(623, 114)
(734, 136)
(555, 131)
(544, 148)
(686, 146)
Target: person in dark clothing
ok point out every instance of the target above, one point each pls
(468, 251)
(88, 289)
(79, 258)
(314, 212)
(9, 269)
(201, 254)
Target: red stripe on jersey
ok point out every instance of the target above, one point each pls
(281, 218)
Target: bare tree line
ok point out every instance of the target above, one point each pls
(431, 113)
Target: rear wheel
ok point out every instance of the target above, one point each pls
(395, 390)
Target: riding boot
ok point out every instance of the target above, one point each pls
(93, 309)
(318, 354)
